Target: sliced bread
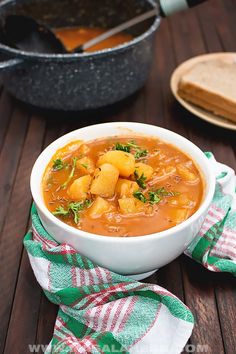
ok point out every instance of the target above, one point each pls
(212, 86)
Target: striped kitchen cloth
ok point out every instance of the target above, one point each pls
(100, 311)
(215, 245)
(104, 312)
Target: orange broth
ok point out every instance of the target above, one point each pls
(169, 196)
(73, 37)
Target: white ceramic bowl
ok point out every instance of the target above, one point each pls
(136, 256)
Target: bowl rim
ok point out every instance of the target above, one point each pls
(85, 55)
(211, 183)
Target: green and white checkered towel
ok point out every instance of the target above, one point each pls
(100, 311)
(104, 312)
(215, 245)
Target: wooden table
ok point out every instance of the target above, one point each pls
(26, 316)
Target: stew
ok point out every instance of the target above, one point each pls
(122, 186)
(73, 37)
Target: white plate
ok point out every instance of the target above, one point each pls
(197, 111)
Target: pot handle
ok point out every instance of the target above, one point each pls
(169, 7)
(10, 64)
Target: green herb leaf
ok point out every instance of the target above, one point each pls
(121, 147)
(87, 203)
(73, 208)
(71, 175)
(154, 198)
(133, 144)
(60, 211)
(164, 193)
(140, 153)
(140, 179)
(76, 207)
(58, 165)
(140, 196)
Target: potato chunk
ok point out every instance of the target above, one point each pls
(85, 165)
(99, 207)
(124, 161)
(126, 188)
(127, 205)
(130, 205)
(179, 215)
(105, 179)
(186, 174)
(79, 188)
(146, 170)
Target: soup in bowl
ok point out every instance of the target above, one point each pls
(129, 196)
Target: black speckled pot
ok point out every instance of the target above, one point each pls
(79, 81)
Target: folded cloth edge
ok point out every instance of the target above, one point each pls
(215, 245)
(64, 293)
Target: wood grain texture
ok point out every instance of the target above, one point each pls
(16, 220)
(26, 316)
(6, 110)
(9, 158)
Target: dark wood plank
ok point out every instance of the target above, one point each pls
(24, 316)
(225, 290)
(200, 298)
(154, 106)
(9, 158)
(228, 9)
(5, 114)
(225, 23)
(16, 221)
(46, 321)
(208, 28)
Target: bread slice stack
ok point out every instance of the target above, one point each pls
(211, 85)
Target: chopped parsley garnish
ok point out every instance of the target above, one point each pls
(71, 175)
(73, 208)
(61, 211)
(140, 153)
(58, 165)
(140, 179)
(140, 196)
(164, 193)
(154, 198)
(121, 147)
(132, 147)
(133, 144)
